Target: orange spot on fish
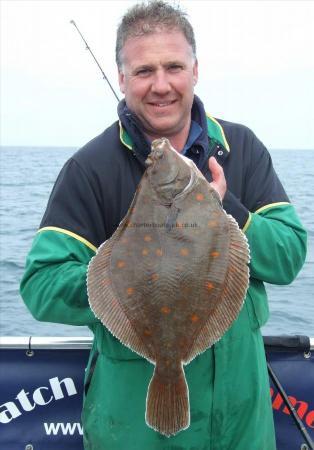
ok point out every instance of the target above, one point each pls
(194, 318)
(199, 197)
(165, 310)
(130, 291)
(159, 252)
(120, 264)
(148, 238)
(154, 277)
(209, 285)
(147, 332)
(212, 223)
(145, 251)
(184, 251)
(214, 254)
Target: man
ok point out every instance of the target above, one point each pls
(228, 384)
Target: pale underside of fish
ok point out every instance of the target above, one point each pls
(171, 279)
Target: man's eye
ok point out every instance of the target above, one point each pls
(143, 72)
(175, 68)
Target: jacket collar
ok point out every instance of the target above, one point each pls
(131, 134)
(132, 137)
(216, 132)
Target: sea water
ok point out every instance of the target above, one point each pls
(27, 176)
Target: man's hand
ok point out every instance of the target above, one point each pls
(219, 181)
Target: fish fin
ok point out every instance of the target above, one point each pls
(231, 297)
(167, 404)
(105, 303)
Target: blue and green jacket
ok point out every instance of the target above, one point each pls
(230, 402)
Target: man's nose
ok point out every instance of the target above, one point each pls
(160, 83)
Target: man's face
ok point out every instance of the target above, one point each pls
(157, 77)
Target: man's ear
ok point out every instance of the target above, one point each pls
(195, 72)
(121, 78)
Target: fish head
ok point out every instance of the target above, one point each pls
(169, 173)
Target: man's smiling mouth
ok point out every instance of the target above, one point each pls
(162, 104)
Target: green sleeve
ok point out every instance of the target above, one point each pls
(54, 283)
(277, 242)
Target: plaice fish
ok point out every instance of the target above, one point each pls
(171, 279)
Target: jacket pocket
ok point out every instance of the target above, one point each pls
(257, 304)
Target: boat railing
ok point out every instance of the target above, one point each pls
(39, 342)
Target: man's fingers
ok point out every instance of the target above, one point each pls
(215, 168)
(219, 180)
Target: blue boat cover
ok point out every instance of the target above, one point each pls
(41, 397)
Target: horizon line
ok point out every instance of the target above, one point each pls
(80, 146)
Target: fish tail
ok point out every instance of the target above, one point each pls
(167, 405)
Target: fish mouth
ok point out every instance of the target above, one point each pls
(157, 150)
(153, 157)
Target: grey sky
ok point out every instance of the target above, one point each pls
(255, 57)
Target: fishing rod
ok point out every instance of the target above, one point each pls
(298, 421)
(90, 51)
